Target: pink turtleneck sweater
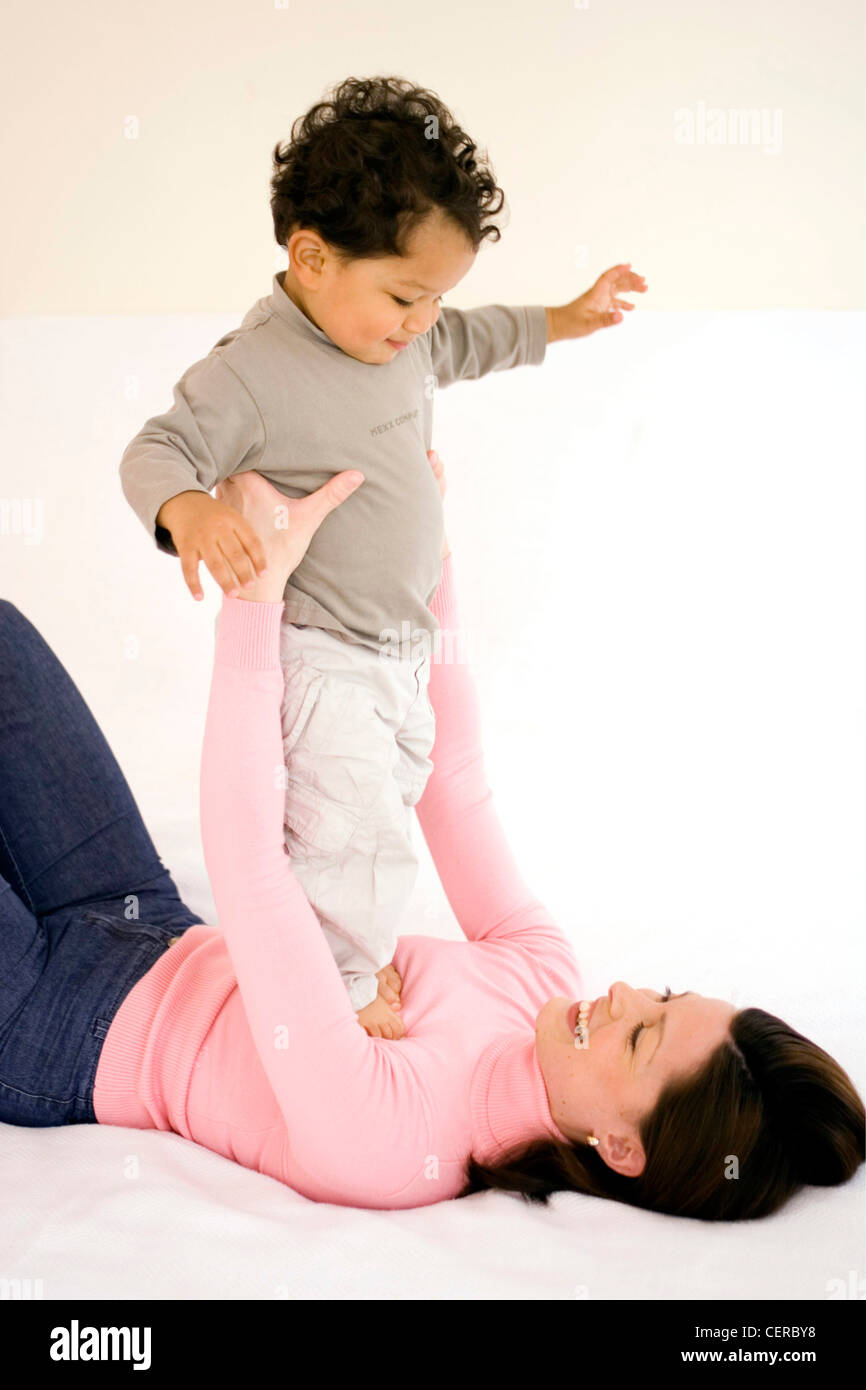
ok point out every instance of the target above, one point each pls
(243, 1039)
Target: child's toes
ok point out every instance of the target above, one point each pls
(389, 981)
(386, 993)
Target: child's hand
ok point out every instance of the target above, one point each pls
(599, 307)
(204, 528)
(380, 1021)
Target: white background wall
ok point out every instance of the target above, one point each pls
(138, 139)
(657, 534)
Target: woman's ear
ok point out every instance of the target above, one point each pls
(623, 1153)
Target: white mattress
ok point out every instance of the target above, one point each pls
(673, 688)
(195, 1225)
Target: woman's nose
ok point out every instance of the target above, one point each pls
(620, 996)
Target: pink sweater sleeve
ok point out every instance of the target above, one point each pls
(456, 812)
(338, 1089)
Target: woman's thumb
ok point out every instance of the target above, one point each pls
(333, 492)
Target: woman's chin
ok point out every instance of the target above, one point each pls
(551, 1016)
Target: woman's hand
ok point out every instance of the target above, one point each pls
(284, 525)
(439, 474)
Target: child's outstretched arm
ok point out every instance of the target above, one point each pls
(466, 344)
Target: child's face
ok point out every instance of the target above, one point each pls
(357, 304)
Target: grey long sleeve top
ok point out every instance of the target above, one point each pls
(277, 395)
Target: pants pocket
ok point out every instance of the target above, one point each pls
(303, 690)
(338, 755)
(415, 739)
(317, 826)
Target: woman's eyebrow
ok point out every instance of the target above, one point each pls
(663, 1020)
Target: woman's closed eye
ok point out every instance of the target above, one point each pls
(636, 1030)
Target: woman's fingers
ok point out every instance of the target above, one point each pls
(438, 469)
(256, 539)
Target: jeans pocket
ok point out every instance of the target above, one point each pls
(128, 929)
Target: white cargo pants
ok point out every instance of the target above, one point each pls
(358, 729)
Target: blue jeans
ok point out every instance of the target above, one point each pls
(86, 905)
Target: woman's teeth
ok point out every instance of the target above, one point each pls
(581, 1030)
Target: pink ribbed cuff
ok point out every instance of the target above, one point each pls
(248, 633)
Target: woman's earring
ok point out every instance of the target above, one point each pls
(591, 1139)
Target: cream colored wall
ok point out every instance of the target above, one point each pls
(138, 139)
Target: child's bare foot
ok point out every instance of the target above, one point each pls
(390, 986)
(379, 1020)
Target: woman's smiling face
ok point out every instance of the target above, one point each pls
(636, 1042)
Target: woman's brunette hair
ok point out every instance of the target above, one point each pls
(768, 1113)
(364, 168)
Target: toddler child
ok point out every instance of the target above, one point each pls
(380, 204)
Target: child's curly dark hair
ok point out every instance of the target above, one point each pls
(365, 167)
